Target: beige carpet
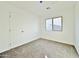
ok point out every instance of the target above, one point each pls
(41, 47)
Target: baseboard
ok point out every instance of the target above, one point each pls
(36, 38)
(56, 40)
(76, 49)
(30, 40)
(64, 43)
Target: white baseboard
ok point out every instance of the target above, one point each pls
(30, 40)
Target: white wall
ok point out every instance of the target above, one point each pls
(77, 26)
(20, 21)
(4, 29)
(67, 35)
(26, 22)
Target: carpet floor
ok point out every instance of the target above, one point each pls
(41, 48)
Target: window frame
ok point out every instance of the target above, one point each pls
(53, 25)
(61, 23)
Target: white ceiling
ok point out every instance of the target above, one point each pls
(40, 8)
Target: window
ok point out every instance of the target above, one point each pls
(49, 24)
(54, 24)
